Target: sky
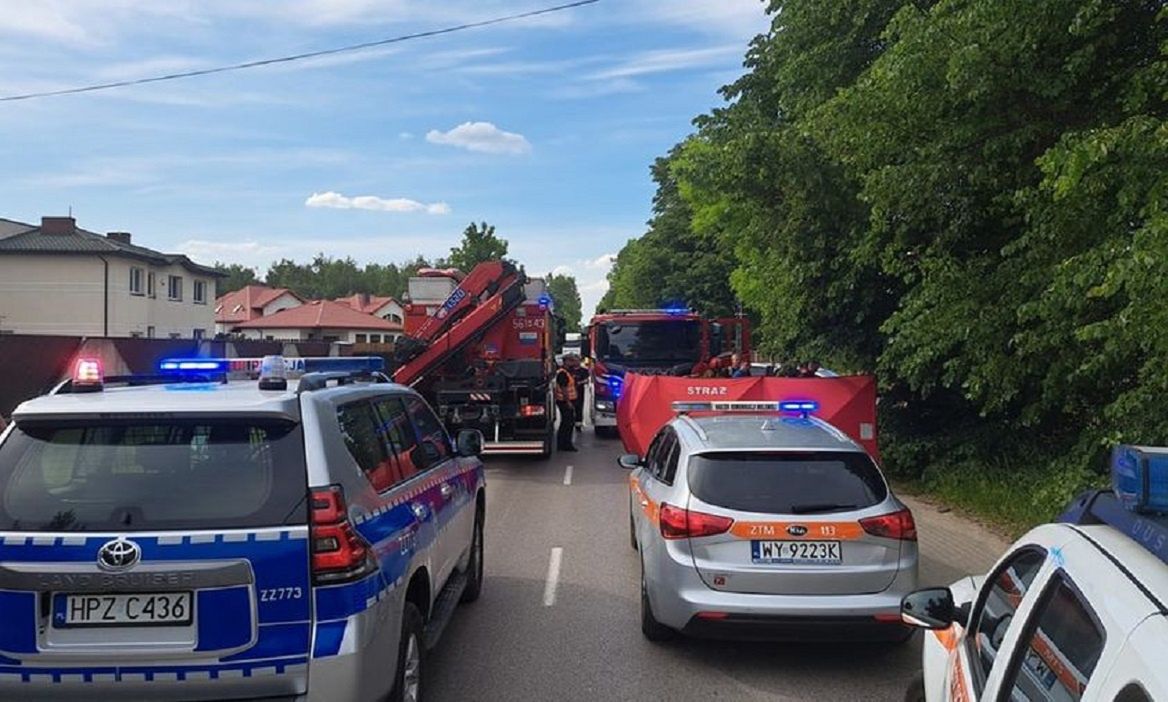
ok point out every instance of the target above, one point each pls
(545, 127)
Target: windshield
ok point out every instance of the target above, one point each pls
(155, 474)
(666, 341)
(787, 483)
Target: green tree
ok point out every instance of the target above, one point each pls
(566, 296)
(479, 244)
(672, 264)
(238, 276)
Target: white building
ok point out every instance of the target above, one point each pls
(58, 279)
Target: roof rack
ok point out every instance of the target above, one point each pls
(1104, 507)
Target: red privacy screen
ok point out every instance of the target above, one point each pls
(847, 402)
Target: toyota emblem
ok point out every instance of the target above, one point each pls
(118, 554)
(797, 530)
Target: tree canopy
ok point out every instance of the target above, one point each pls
(238, 276)
(478, 244)
(968, 196)
(566, 296)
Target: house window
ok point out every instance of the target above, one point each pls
(200, 292)
(375, 338)
(174, 287)
(135, 280)
(150, 332)
(362, 338)
(150, 286)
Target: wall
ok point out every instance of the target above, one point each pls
(31, 365)
(65, 295)
(133, 315)
(281, 303)
(52, 294)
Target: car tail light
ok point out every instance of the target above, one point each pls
(897, 525)
(339, 554)
(531, 411)
(678, 523)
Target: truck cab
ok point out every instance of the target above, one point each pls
(652, 342)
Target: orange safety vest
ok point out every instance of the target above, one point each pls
(568, 393)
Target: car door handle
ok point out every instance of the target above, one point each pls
(446, 490)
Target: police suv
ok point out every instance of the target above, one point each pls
(187, 537)
(1076, 610)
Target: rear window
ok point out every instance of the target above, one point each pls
(152, 474)
(788, 483)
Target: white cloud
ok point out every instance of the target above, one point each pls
(482, 137)
(204, 250)
(338, 201)
(563, 270)
(670, 60)
(603, 262)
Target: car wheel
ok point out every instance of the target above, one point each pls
(652, 629)
(411, 656)
(474, 569)
(916, 689)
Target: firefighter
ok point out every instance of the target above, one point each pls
(566, 393)
(581, 376)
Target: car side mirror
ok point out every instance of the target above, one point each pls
(470, 443)
(629, 461)
(930, 608)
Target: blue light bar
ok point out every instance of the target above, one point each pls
(342, 364)
(799, 406)
(1139, 476)
(193, 365)
(615, 385)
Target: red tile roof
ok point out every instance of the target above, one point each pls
(365, 303)
(320, 314)
(247, 303)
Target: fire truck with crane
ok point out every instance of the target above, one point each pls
(480, 348)
(667, 341)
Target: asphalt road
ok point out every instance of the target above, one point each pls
(580, 639)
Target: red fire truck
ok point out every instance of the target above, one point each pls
(653, 342)
(480, 348)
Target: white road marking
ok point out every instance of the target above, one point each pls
(568, 475)
(553, 577)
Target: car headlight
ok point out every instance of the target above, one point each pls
(604, 406)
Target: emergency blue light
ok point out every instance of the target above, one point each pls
(341, 364)
(676, 310)
(799, 406)
(193, 365)
(1139, 476)
(545, 300)
(615, 385)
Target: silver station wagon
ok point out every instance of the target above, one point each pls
(755, 525)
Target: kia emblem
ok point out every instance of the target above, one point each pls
(797, 530)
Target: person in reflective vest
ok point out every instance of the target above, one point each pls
(566, 394)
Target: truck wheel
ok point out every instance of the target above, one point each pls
(411, 655)
(474, 569)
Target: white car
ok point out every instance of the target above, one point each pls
(1076, 610)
